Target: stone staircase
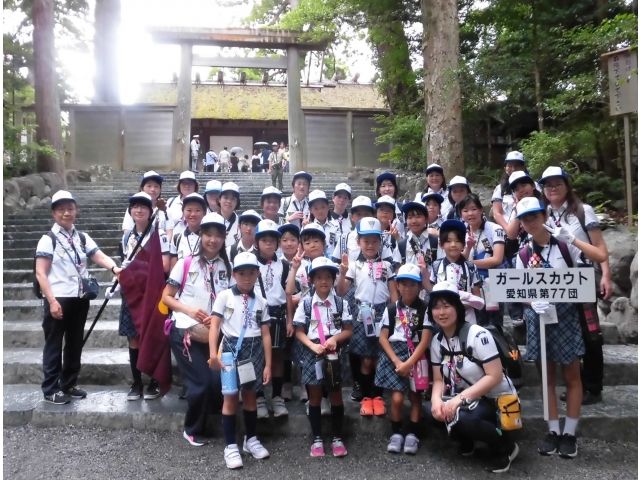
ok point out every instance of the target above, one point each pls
(105, 365)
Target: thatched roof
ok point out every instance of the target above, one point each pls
(260, 102)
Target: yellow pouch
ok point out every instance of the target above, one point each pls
(509, 412)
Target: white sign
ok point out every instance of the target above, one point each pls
(554, 285)
(623, 81)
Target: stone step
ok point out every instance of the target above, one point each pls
(23, 334)
(24, 291)
(108, 237)
(615, 419)
(24, 365)
(32, 309)
(112, 216)
(24, 276)
(20, 258)
(93, 225)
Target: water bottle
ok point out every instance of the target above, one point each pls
(228, 375)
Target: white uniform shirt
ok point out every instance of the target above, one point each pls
(224, 156)
(486, 237)
(197, 287)
(184, 244)
(508, 200)
(345, 225)
(63, 275)
(302, 276)
(195, 147)
(412, 316)
(331, 230)
(233, 229)
(327, 315)
(131, 242)
(293, 205)
(232, 308)
(162, 220)
(572, 222)
(273, 280)
(353, 249)
(174, 209)
(371, 280)
(483, 348)
(424, 245)
(553, 255)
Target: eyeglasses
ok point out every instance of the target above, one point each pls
(62, 211)
(555, 186)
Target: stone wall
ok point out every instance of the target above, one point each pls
(29, 192)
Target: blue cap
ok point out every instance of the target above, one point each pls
(528, 205)
(141, 197)
(151, 175)
(432, 196)
(414, 206)
(453, 225)
(302, 174)
(553, 172)
(289, 227)
(385, 176)
(322, 263)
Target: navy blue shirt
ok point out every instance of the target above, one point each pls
(265, 156)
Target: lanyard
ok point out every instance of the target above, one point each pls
(248, 309)
(556, 220)
(186, 238)
(301, 207)
(452, 365)
(231, 222)
(70, 240)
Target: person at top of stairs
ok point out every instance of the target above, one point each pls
(186, 242)
(212, 196)
(60, 267)
(230, 202)
(295, 209)
(187, 184)
(151, 184)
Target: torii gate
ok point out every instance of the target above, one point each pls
(242, 38)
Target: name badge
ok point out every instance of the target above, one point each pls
(246, 372)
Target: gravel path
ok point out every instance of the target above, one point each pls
(33, 453)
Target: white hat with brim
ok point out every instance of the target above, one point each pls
(245, 259)
(322, 263)
(141, 197)
(267, 226)
(213, 186)
(317, 195)
(434, 167)
(528, 205)
(514, 156)
(314, 229)
(553, 172)
(409, 272)
(520, 176)
(444, 288)
(302, 174)
(369, 226)
(187, 175)
(362, 201)
(230, 187)
(249, 214)
(458, 181)
(60, 196)
(271, 191)
(386, 200)
(342, 187)
(151, 175)
(213, 219)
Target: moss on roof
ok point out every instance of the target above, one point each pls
(257, 102)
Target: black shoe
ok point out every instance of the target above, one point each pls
(135, 392)
(75, 392)
(550, 444)
(502, 462)
(568, 446)
(467, 448)
(356, 394)
(153, 391)
(57, 398)
(590, 398)
(183, 393)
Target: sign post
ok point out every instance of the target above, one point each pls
(623, 100)
(553, 285)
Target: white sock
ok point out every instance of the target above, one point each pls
(570, 425)
(554, 426)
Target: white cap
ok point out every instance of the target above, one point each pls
(274, 144)
(151, 175)
(409, 272)
(342, 187)
(250, 214)
(514, 156)
(245, 259)
(196, 136)
(268, 226)
(529, 205)
(271, 191)
(386, 200)
(458, 180)
(62, 195)
(317, 195)
(553, 172)
(313, 228)
(187, 176)
(213, 219)
(302, 174)
(361, 201)
(230, 187)
(445, 287)
(515, 176)
(194, 197)
(141, 196)
(434, 167)
(322, 263)
(369, 226)
(213, 186)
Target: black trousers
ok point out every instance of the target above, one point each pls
(204, 388)
(592, 372)
(209, 168)
(61, 366)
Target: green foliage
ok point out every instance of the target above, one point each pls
(404, 132)
(543, 149)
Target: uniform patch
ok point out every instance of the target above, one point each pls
(228, 312)
(193, 276)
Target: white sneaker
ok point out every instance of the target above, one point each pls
(395, 444)
(255, 448)
(262, 407)
(287, 392)
(232, 457)
(304, 396)
(411, 443)
(278, 407)
(325, 407)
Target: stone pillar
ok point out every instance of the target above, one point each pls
(351, 158)
(295, 116)
(182, 113)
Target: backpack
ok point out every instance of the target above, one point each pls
(392, 310)
(36, 285)
(433, 246)
(508, 351)
(527, 252)
(306, 302)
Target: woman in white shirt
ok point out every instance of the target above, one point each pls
(465, 387)
(503, 199)
(61, 264)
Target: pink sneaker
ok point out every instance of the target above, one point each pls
(337, 447)
(317, 449)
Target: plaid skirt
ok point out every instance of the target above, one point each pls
(361, 344)
(564, 339)
(126, 328)
(251, 349)
(308, 365)
(386, 376)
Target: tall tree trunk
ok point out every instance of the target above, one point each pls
(105, 46)
(442, 98)
(47, 99)
(536, 68)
